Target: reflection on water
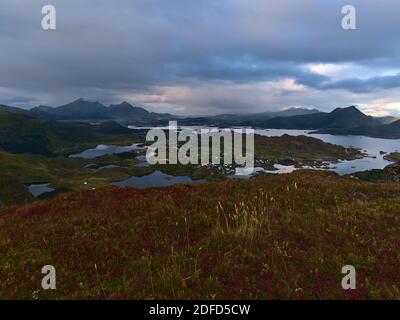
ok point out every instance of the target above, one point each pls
(156, 179)
(38, 189)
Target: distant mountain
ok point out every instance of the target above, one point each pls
(76, 110)
(387, 120)
(290, 112)
(339, 118)
(13, 109)
(252, 119)
(293, 118)
(125, 110)
(83, 110)
(386, 131)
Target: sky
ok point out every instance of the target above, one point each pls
(202, 57)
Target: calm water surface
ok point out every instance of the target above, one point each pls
(38, 189)
(156, 179)
(371, 146)
(103, 149)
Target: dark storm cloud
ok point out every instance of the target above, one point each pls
(366, 85)
(106, 50)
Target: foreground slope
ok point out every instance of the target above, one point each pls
(272, 237)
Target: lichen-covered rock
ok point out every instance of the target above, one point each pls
(392, 172)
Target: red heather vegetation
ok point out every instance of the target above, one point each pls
(275, 237)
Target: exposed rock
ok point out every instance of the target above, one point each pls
(392, 172)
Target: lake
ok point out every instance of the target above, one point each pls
(371, 146)
(103, 149)
(156, 179)
(40, 188)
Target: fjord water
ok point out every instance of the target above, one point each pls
(371, 146)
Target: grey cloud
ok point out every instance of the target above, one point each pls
(106, 50)
(365, 85)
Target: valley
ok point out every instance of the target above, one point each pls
(37, 151)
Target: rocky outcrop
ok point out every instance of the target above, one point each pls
(392, 172)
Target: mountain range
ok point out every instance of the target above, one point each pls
(83, 110)
(383, 131)
(338, 118)
(252, 119)
(125, 113)
(349, 120)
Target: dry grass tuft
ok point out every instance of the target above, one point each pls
(248, 220)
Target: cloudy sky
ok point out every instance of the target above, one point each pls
(202, 57)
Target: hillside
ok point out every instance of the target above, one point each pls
(290, 112)
(78, 109)
(338, 121)
(274, 237)
(83, 110)
(295, 118)
(387, 131)
(21, 133)
(252, 119)
(339, 118)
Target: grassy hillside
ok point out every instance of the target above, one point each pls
(273, 237)
(24, 134)
(12, 190)
(63, 174)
